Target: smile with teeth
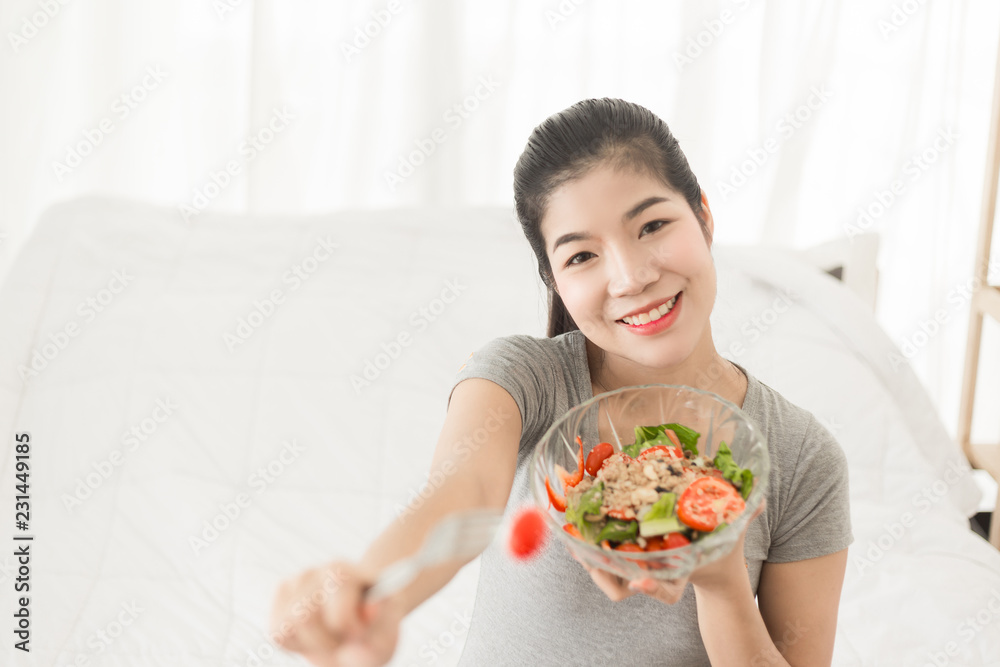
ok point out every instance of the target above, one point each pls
(651, 316)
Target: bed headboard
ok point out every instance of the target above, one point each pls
(852, 260)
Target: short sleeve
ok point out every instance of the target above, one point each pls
(520, 366)
(815, 519)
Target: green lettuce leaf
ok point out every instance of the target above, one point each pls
(662, 508)
(742, 478)
(617, 530)
(687, 436)
(588, 503)
(651, 436)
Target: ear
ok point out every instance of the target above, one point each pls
(707, 213)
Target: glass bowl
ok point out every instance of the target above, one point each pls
(618, 413)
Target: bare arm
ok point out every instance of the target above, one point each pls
(793, 624)
(476, 457)
(799, 603)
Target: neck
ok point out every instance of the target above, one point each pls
(703, 369)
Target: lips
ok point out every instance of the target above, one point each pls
(651, 313)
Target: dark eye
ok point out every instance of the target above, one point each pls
(572, 260)
(656, 224)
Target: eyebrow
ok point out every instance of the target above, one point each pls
(630, 215)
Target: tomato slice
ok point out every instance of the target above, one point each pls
(573, 530)
(596, 457)
(671, 541)
(559, 502)
(619, 455)
(708, 501)
(661, 451)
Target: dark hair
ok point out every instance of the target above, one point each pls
(567, 145)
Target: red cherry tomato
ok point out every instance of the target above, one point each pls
(675, 540)
(708, 501)
(661, 451)
(654, 543)
(596, 457)
(528, 534)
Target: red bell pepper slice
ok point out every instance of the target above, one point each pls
(576, 477)
(559, 502)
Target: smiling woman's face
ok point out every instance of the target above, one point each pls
(621, 242)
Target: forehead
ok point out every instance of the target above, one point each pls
(600, 197)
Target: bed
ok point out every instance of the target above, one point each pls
(214, 405)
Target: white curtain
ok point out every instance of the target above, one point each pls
(795, 115)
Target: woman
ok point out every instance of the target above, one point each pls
(621, 229)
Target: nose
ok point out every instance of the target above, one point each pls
(632, 269)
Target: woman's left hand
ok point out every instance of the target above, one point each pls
(716, 574)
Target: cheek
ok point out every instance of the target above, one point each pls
(583, 301)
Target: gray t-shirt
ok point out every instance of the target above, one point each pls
(549, 611)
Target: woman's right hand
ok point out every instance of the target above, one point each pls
(321, 614)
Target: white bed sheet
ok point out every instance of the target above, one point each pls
(352, 455)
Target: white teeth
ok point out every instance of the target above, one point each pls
(651, 316)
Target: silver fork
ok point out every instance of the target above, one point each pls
(457, 536)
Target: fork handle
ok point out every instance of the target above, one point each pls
(393, 579)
